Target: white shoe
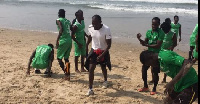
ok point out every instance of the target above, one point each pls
(105, 85)
(90, 92)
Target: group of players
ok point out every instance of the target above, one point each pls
(160, 40)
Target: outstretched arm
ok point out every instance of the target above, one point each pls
(30, 61)
(184, 70)
(174, 39)
(51, 58)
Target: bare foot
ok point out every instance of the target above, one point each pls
(67, 78)
(77, 71)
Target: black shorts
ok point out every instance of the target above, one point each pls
(187, 96)
(154, 69)
(93, 59)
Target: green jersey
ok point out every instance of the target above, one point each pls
(175, 28)
(41, 59)
(168, 40)
(193, 36)
(65, 37)
(153, 37)
(80, 32)
(171, 63)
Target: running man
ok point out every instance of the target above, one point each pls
(42, 58)
(63, 42)
(176, 27)
(192, 41)
(154, 39)
(78, 35)
(169, 42)
(183, 88)
(100, 36)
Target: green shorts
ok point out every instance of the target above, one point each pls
(78, 51)
(64, 49)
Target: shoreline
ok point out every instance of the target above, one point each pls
(124, 79)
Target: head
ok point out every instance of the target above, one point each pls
(166, 27)
(168, 20)
(61, 13)
(149, 58)
(79, 15)
(96, 22)
(176, 19)
(155, 23)
(51, 45)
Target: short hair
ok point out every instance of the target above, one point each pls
(144, 55)
(51, 45)
(168, 20)
(165, 27)
(157, 19)
(79, 11)
(61, 13)
(176, 16)
(97, 17)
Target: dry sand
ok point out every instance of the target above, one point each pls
(124, 79)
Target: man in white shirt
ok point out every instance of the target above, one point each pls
(100, 36)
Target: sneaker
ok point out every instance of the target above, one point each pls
(90, 92)
(143, 89)
(105, 85)
(152, 93)
(37, 71)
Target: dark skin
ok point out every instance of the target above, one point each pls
(155, 26)
(176, 19)
(196, 41)
(79, 17)
(183, 71)
(51, 58)
(97, 25)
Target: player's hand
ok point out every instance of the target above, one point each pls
(80, 46)
(169, 87)
(99, 58)
(139, 35)
(179, 39)
(28, 73)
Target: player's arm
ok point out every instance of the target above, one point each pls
(74, 29)
(60, 32)
(158, 45)
(180, 33)
(108, 41)
(51, 58)
(196, 41)
(174, 39)
(143, 42)
(183, 71)
(30, 61)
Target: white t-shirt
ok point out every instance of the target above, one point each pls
(99, 37)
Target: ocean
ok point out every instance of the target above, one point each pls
(125, 18)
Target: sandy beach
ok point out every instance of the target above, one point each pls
(124, 79)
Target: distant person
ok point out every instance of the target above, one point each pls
(176, 27)
(100, 36)
(169, 42)
(183, 88)
(78, 35)
(153, 40)
(192, 42)
(42, 58)
(63, 42)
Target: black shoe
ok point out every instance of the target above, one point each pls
(46, 72)
(37, 72)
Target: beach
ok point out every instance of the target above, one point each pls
(124, 79)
